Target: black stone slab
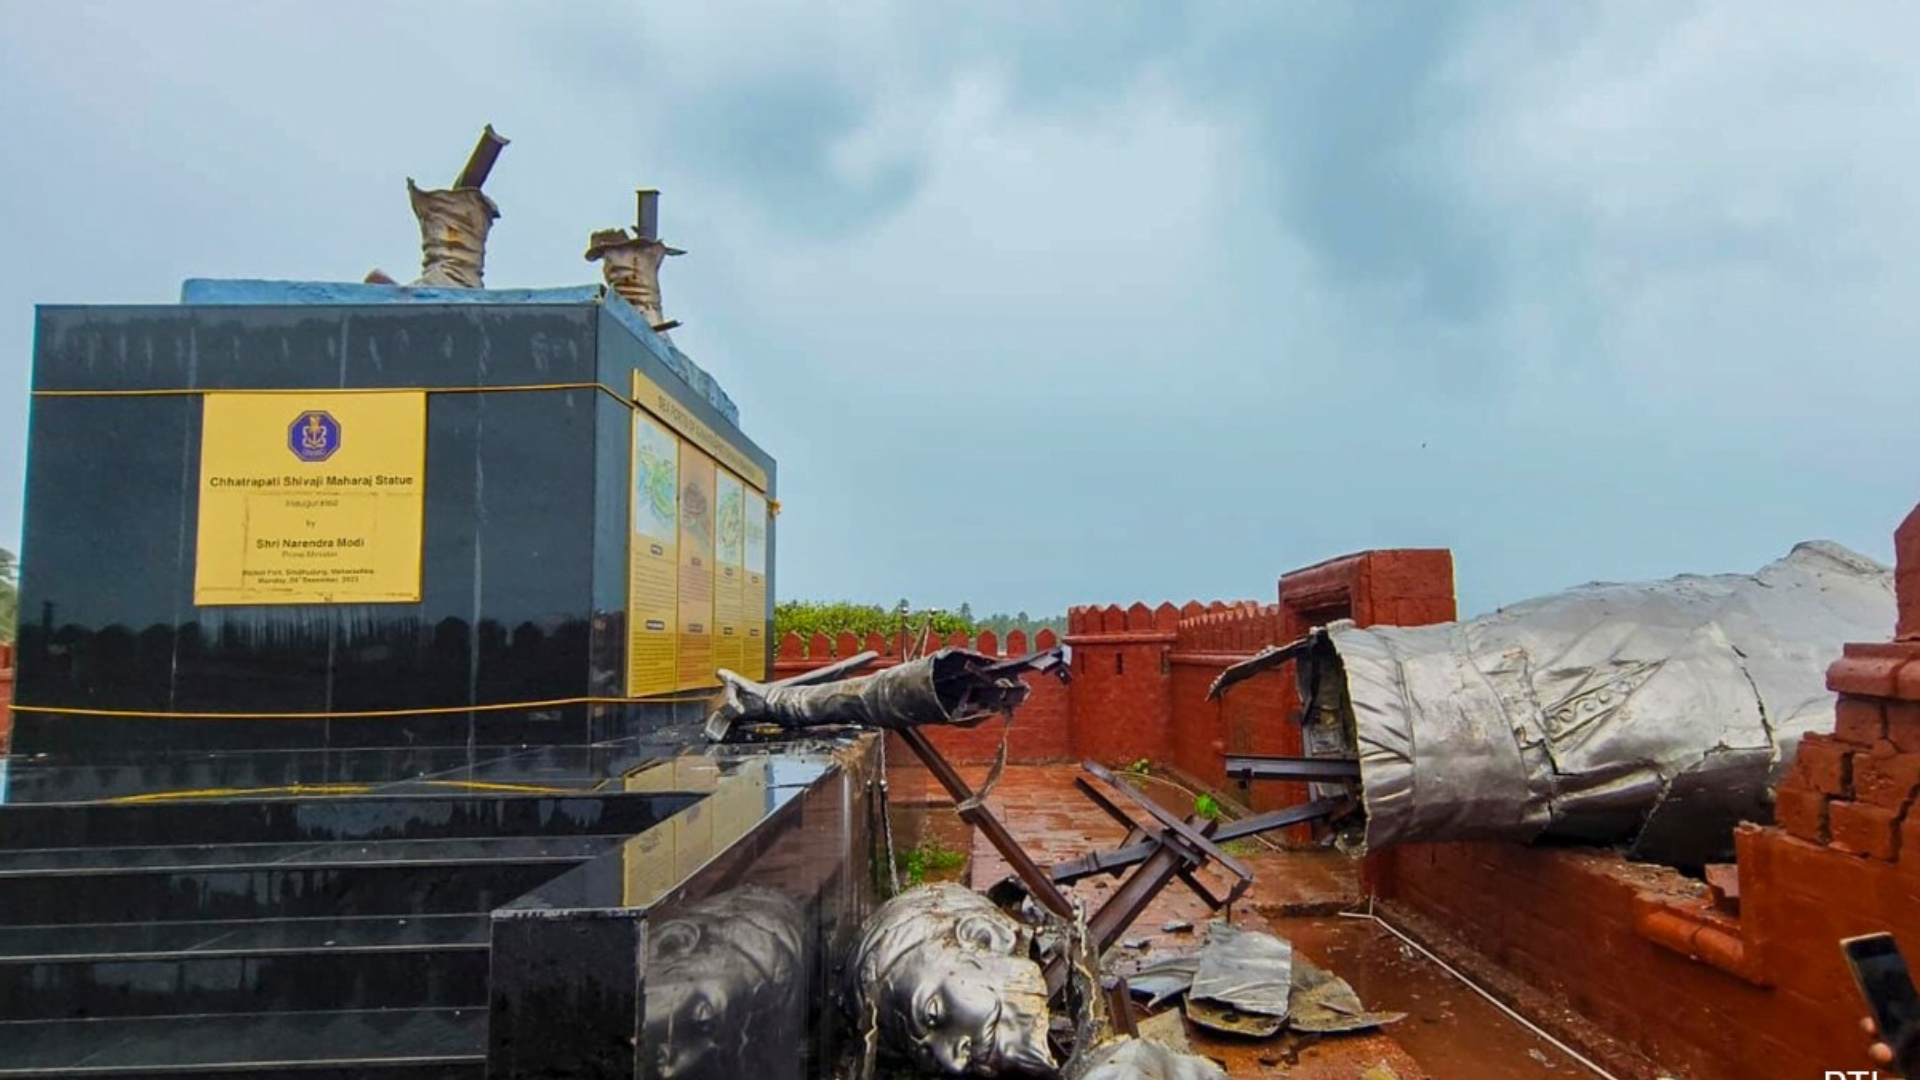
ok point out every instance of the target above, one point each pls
(388, 1042)
(315, 979)
(31, 832)
(746, 901)
(524, 553)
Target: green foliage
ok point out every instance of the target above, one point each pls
(931, 857)
(832, 618)
(1002, 624)
(1207, 807)
(809, 617)
(9, 595)
(1140, 767)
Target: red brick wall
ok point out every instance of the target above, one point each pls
(1248, 720)
(1141, 675)
(1752, 987)
(1122, 691)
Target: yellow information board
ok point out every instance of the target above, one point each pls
(697, 562)
(311, 498)
(730, 631)
(697, 495)
(754, 595)
(661, 404)
(653, 572)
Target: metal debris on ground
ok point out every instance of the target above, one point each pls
(1177, 926)
(1167, 1029)
(1252, 984)
(1164, 979)
(1224, 1018)
(1248, 971)
(1324, 1003)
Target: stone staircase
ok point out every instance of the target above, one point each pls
(311, 937)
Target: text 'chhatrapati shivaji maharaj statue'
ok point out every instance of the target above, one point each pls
(1655, 715)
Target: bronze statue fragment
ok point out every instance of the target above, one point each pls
(946, 980)
(631, 264)
(454, 223)
(953, 687)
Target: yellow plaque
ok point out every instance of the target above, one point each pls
(754, 595)
(662, 405)
(311, 498)
(730, 631)
(653, 566)
(697, 476)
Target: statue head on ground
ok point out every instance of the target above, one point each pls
(948, 981)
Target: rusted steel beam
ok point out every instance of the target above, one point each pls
(1038, 884)
(1263, 767)
(1135, 852)
(480, 165)
(1195, 837)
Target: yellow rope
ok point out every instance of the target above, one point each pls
(313, 390)
(375, 714)
(334, 789)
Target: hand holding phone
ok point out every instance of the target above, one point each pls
(1887, 986)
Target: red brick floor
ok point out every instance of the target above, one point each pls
(1449, 1032)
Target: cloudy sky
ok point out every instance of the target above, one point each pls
(1040, 304)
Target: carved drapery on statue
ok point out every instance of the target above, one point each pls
(1656, 715)
(631, 266)
(454, 223)
(631, 263)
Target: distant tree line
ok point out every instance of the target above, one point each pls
(809, 617)
(9, 595)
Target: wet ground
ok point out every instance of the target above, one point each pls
(1450, 1032)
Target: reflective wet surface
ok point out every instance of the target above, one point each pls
(601, 905)
(721, 930)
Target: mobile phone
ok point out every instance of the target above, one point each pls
(1886, 984)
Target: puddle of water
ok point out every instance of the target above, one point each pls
(1449, 1029)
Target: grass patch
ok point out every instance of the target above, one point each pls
(932, 859)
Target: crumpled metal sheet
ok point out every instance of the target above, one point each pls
(1144, 1059)
(1164, 979)
(1324, 1003)
(1244, 969)
(1579, 715)
(1224, 1018)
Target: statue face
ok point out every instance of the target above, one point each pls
(947, 978)
(949, 1005)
